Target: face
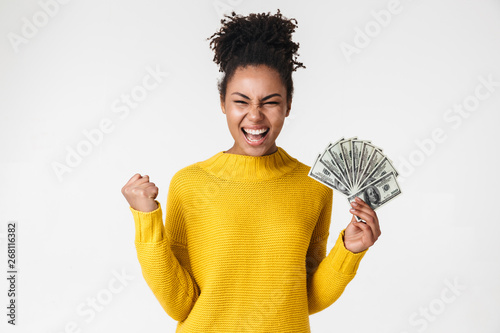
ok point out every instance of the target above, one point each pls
(340, 187)
(255, 107)
(372, 195)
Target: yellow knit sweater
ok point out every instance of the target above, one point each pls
(243, 248)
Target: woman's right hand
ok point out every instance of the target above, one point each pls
(141, 193)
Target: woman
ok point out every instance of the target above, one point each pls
(243, 248)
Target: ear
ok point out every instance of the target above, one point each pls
(222, 104)
(289, 107)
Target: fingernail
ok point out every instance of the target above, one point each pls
(352, 210)
(354, 204)
(358, 199)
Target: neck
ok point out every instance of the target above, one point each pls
(252, 151)
(249, 168)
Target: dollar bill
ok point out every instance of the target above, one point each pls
(383, 167)
(378, 192)
(357, 151)
(345, 147)
(365, 155)
(329, 162)
(320, 172)
(374, 159)
(338, 156)
(357, 167)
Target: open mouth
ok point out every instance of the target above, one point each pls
(255, 136)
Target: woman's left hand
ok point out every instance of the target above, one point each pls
(359, 236)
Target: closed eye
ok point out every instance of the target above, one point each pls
(264, 103)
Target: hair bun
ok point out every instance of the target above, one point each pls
(240, 35)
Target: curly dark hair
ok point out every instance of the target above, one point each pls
(254, 40)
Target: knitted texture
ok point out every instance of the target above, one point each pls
(243, 248)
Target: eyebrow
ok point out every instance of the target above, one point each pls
(263, 99)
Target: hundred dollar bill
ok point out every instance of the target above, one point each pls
(383, 167)
(379, 192)
(354, 159)
(357, 149)
(357, 168)
(345, 147)
(366, 152)
(347, 156)
(321, 173)
(374, 159)
(327, 159)
(338, 157)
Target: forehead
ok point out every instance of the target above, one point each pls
(255, 78)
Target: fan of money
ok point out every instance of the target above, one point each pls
(357, 168)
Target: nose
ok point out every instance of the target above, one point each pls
(254, 113)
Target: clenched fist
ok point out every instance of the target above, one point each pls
(141, 193)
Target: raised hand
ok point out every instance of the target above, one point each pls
(141, 193)
(359, 236)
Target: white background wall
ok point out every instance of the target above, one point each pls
(435, 267)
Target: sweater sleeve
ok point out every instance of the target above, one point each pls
(167, 275)
(327, 276)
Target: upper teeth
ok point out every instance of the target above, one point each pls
(251, 131)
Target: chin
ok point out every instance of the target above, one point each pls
(260, 151)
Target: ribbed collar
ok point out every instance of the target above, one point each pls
(249, 168)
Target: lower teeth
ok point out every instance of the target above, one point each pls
(255, 140)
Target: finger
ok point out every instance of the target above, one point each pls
(142, 180)
(364, 208)
(357, 209)
(358, 199)
(148, 188)
(145, 191)
(153, 193)
(133, 179)
(367, 230)
(355, 223)
(376, 225)
(145, 185)
(362, 215)
(371, 222)
(360, 202)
